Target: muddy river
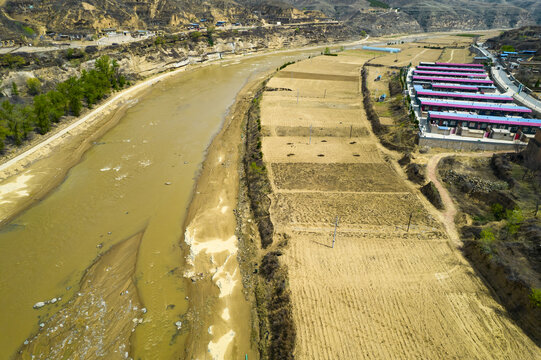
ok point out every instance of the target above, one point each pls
(134, 183)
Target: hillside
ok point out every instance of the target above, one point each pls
(32, 17)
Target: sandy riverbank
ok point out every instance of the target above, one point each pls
(221, 320)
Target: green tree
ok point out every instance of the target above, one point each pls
(514, 220)
(73, 94)
(537, 83)
(14, 89)
(58, 105)
(16, 118)
(33, 85)
(3, 133)
(42, 111)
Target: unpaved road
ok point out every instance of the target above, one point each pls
(381, 292)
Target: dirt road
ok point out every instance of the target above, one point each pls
(382, 292)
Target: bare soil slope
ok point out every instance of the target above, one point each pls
(382, 292)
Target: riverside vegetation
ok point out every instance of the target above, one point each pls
(19, 118)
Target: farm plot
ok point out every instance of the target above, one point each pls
(393, 287)
(287, 113)
(353, 209)
(336, 177)
(373, 298)
(320, 150)
(305, 87)
(410, 54)
(320, 65)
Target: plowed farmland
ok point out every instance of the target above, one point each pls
(393, 286)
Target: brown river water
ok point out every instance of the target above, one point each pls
(134, 183)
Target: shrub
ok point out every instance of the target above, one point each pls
(514, 219)
(14, 89)
(12, 61)
(507, 48)
(33, 85)
(498, 211)
(195, 35)
(487, 239)
(535, 297)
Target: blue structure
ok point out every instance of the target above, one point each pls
(389, 50)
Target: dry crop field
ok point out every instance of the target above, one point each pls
(457, 56)
(411, 53)
(382, 292)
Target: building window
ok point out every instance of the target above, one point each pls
(483, 126)
(472, 125)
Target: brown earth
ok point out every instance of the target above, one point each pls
(382, 291)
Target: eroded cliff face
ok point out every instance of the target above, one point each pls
(140, 59)
(384, 23)
(443, 15)
(91, 15)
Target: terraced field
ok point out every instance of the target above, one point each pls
(382, 292)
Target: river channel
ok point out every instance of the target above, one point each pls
(136, 179)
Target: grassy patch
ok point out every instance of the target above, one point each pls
(378, 4)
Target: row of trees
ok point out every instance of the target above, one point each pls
(68, 98)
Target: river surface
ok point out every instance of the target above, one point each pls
(137, 178)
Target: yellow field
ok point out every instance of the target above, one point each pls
(382, 292)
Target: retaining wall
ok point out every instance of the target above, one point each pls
(457, 144)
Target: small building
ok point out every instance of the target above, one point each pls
(482, 122)
(495, 98)
(384, 49)
(439, 68)
(109, 31)
(480, 59)
(471, 75)
(220, 23)
(467, 81)
(480, 108)
(461, 65)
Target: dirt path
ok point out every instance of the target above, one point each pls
(449, 213)
(382, 291)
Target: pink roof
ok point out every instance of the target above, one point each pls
(445, 86)
(476, 107)
(424, 67)
(465, 96)
(490, 121)
(445, 73)
(459, 64)
(468, 81)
